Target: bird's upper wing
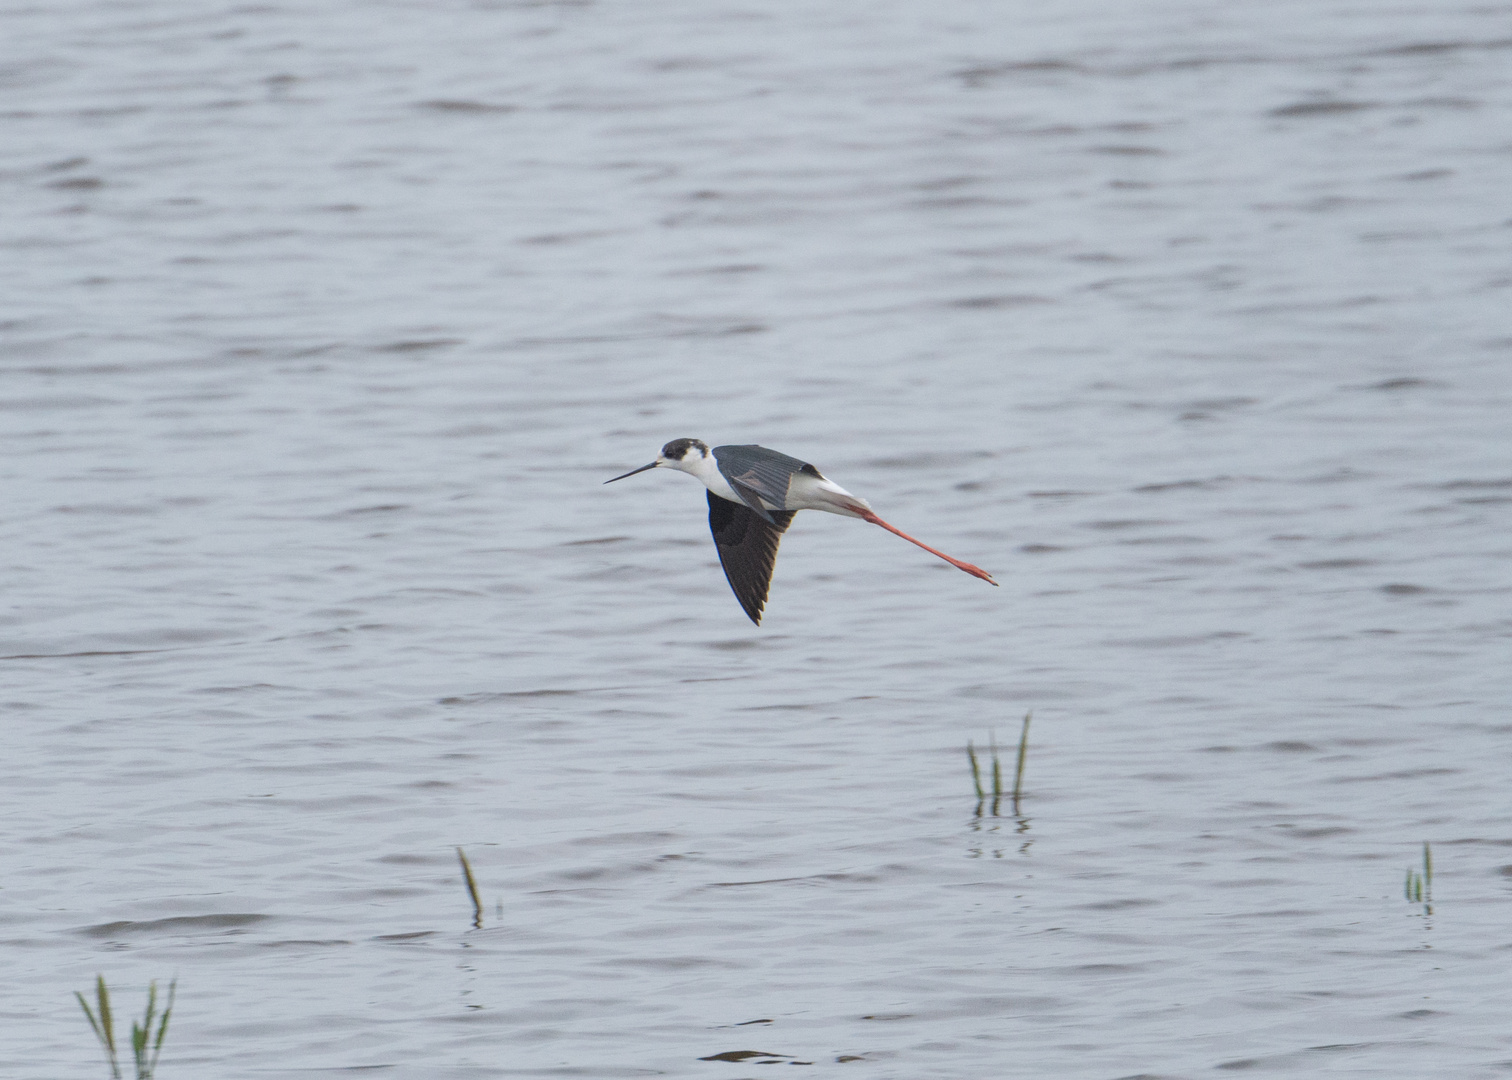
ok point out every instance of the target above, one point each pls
(747, 547)
(757, 473)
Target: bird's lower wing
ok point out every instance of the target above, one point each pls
(747, 547)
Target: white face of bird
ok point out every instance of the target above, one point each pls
(685, 455)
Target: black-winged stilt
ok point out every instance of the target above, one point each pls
(753, 494)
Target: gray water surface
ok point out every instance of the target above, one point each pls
(322, 325)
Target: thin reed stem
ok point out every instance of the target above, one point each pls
(472, 889)
(1023, 755)
(976, 771)
(103, 1023)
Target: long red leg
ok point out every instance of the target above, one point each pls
(974, 571)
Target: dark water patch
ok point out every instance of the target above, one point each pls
(253, 687)
(444, 105)
(1406, 383)
(176, 925)
(95, 652)
(505, 695)
(964, 202)
(300, 943)
(598, 540)
(1318, 832)
(726, 269)
(1214, 483)
(364, 511)
(674, 963)
(1471, 485)
(1439, 48)
(552, 239)
(1120, 905)
(417, 860)
(1178, 641)
(1127, 151)
(1336, 564)
(631, 839)
(1399, 774)
(1324, 108)
(1174, 541)
(761, 1057)
(1019, 693)
(810, 879)
(1402, 589)
(987, 74)
(1443, 103)
(56, 403)
(717, 330)
(1107, 969)
(1117, 524)
(929, 459)
(992, 303)
(417, 345)
(739, 644)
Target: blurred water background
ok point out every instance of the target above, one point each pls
(322, 324)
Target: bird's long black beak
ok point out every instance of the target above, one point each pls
(632, 472)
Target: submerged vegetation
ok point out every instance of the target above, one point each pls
(146, 1041)
(1419, 886)
(996, 792)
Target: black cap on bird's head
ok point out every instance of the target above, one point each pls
(674, 453)
(678, 449)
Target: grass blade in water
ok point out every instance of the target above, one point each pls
(472, 889)
(976, 772)
(1023, 755)
(102, 1023)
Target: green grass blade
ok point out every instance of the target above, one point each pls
(93, 1023)
(1023, 756)
(157, 1046)
(976, 771)
(472, 889)
(139, 1051)
(102, 992)
(101, 1024)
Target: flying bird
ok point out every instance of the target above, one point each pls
(753, 494)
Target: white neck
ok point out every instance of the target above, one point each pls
(707, 471)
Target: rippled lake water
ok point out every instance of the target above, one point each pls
(323, 324)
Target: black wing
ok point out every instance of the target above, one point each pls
(757, 473)
(747, 549)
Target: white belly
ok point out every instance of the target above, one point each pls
(804, 493)
(715, 482)
(816, 493)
